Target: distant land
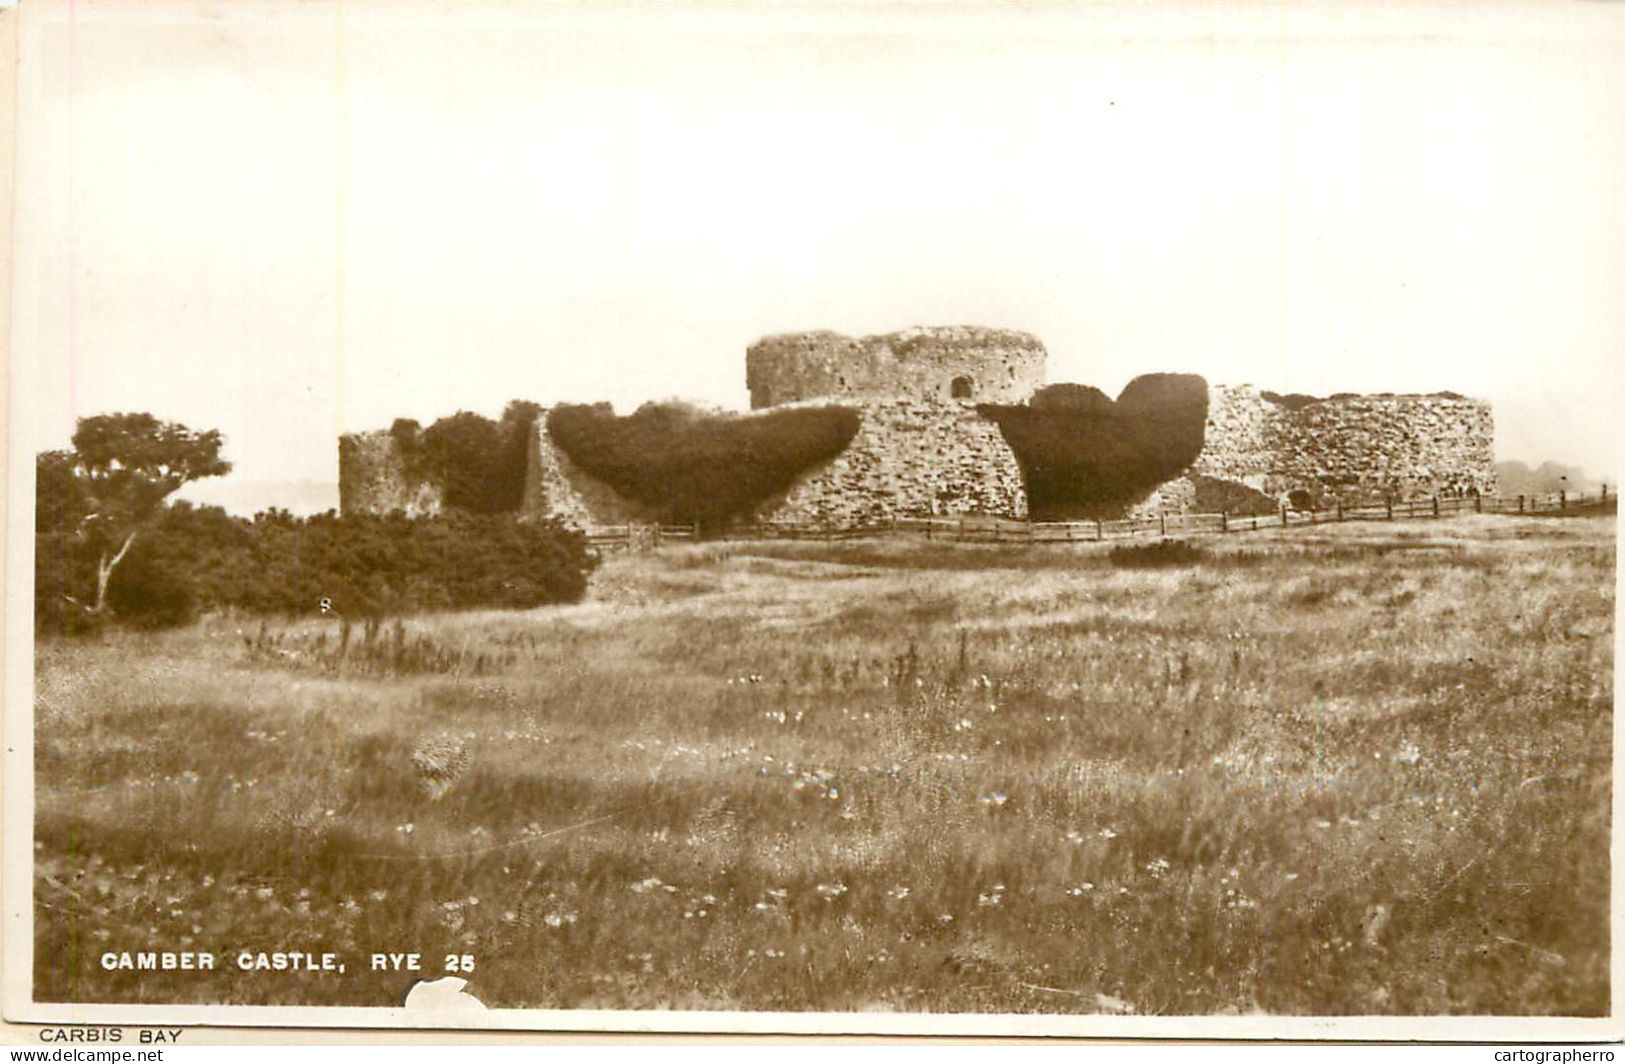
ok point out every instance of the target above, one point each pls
(248, 497)
(1516, 478)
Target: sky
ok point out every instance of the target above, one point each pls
(287, 221)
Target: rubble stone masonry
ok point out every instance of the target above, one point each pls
(373, 478)
(923, 449)
(910, 458)
(963, 362)
(1357, 447)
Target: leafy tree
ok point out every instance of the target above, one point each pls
(114, 482)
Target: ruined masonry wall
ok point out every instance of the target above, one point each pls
(910, 458)
(995, 365)
(550, 484)
(373, 480)
(1355, 448)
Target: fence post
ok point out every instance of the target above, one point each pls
(1520, 504)
(1100, 532)
(1563, 499)
(1283, 515)
(1435, 505)
(1162, 524)
(1224, 521)
(1390, 504)
(1478, 504)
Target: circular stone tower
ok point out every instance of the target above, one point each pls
(960, 362)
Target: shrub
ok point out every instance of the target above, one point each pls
(148, 592)
(370, 565)
(1293, 401)
(688, 465)
(479, 463)
(64, 585)
(198, 558)
(1083, 455)
(1216, 495)
(1164, 554)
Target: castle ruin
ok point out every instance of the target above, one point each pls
(923, 448)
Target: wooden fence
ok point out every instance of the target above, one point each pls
(1004, 530)
(637, 537)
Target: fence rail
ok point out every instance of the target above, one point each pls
(636, 537)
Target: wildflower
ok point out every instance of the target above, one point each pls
(1408, 754)
(830, 891)
(994, 799)
(898, 892)
(1074, 836)
(404, 829)
(1107, 833)
(644, 886)
(946, 918)
(776, 892)
(1158, 867)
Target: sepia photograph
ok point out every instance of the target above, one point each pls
(1088, 519)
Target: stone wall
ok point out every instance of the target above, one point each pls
(373, 478)
(1238, 435)
(965, 362)
(555, 487)
(922, 448)
(1357, 448)
(910, 458)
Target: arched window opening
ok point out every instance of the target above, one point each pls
(961, 388)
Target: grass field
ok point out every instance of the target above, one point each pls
(1353, 769)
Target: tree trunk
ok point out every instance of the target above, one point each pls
(104, 573)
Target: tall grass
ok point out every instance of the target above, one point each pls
(1355, 770)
